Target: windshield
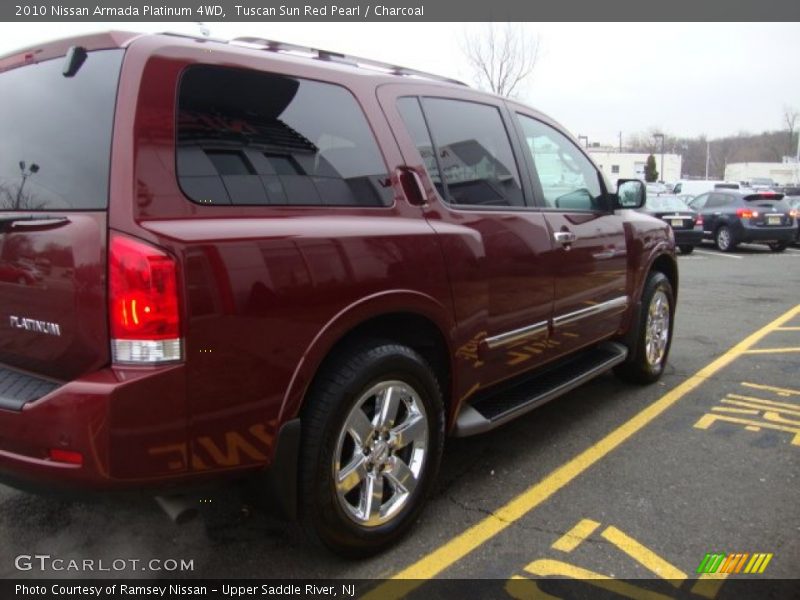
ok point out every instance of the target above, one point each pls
(666, 203)
(55, 134)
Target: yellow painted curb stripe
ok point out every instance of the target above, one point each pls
(460, 546)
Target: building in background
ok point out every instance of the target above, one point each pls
(781, 173)
(630, 165)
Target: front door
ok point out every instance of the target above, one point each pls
(588, 255)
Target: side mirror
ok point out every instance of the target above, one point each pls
(631, 193)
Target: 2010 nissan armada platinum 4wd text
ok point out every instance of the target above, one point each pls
(251, 259)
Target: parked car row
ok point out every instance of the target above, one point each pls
(733, 217)
(686, 224)
(727, 212)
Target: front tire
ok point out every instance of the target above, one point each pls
(373, 432)
(723, 239)
(648, 354)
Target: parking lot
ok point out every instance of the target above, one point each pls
(611, 480)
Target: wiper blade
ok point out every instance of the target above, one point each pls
(7, 220)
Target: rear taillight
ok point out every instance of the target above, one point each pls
(746, 213)
(143, 303)
(699, 221)
(792, 214)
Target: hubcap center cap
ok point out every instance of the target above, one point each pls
(380, 452)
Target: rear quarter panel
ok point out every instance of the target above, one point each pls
(268, 290)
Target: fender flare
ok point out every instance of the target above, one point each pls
(367, 308)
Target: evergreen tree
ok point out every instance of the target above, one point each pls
(650, 171)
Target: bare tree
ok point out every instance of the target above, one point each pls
(12, 198)
(501, 57)
(790, 115)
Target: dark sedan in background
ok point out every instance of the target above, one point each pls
(685, 223)
(731, 218)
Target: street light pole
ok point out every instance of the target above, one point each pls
(26, 172)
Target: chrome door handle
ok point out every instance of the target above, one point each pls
(565, 237)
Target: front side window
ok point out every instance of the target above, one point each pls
(568, 179)
(473, 164)
(247, 137)
(699, 202)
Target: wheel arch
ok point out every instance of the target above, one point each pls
(406, 317)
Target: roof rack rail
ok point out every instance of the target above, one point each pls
(337, 57)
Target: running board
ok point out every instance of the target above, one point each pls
(511, 400)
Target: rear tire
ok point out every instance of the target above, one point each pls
(723, 238)
(686, 248)
(778, 246)
(373, 433)
(653, 337)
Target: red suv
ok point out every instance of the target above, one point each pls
(300, 267)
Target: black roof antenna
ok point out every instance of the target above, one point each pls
(75, 58)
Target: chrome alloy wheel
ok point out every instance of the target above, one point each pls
(380, 453)
(723, 238)
(657, 330)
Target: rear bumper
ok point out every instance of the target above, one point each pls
(113, 418)
(130, 427)
(688, 237)
(748, 233)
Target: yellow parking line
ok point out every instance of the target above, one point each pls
(770, 388)
(461, 545)
(708, 584)
(573, 538)
(773, 351)
(788, 329)
(644, 556)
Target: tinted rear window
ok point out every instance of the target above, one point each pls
(55, 134)
(248, 137)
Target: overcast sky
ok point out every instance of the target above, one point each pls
(595, 78)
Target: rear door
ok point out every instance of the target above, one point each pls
(493, 240)
(55, 144)
(588, 257)
(715, 211)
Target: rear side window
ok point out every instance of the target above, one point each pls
(247, 137)
(411, 112)
(471, 150)
(55, 134)
(718, 200)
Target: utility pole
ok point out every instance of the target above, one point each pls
(708, 153)
(620, 143)
(797, 161)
